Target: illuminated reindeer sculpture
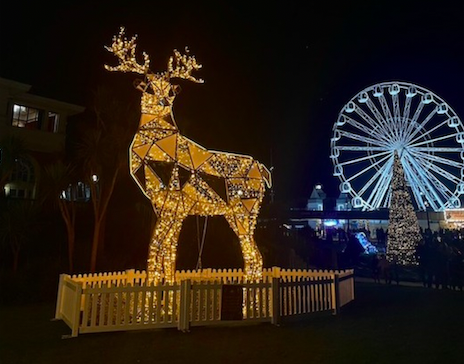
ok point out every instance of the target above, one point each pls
(180, 177)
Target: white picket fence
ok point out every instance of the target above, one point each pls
(123, 301)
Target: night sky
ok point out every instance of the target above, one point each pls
(276, 74)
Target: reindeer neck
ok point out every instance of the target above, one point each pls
(160, 121)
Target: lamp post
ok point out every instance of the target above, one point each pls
(427, 212)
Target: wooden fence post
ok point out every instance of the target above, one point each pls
(275, 301)
(184, 309)
(336, 294)
(59, 298)
(76, 319)
(275, 272)
(130, 276)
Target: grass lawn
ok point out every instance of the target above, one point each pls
(385, 324)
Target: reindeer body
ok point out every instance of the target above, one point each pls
(182, 178)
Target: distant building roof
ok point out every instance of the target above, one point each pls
(318, 193)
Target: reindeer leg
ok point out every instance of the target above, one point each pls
(244, 226)
(163, 247)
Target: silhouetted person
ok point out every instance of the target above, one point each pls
(456, 270)
(384, 266)
(394, 268)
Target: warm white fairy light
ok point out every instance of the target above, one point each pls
(187, 188)
(403, 229)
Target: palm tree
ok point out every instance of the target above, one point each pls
(102, 154)
(58, 185)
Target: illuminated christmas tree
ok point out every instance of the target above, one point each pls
(403, 230)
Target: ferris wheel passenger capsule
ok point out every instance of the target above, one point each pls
(338, 170)
(412, 91)
(460, 188)
(455, 202)
(335, 153)
(345, 187)
(336, 135)
(341, 121)
(453, 122)
(460, 137)
(350, 107)
(363, 97)
(442, 109)
(378, 91)
(357, 202)
(394, 89)
(427, 98)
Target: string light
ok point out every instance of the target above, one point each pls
(179, 176)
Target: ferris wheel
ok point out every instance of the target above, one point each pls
(403, 118)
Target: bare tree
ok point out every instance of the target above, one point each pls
(102, 154)
(59, 186)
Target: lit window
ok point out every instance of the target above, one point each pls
(21, 181)
(26, 117)
(76, 192)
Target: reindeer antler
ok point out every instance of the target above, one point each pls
(124, 49)
(184, 66)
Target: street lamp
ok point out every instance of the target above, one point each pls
(426, 203)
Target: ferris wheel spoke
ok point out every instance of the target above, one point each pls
(438, 149)
(386, 203)
(438, 159)
(420, 187)
(424, 177)
(441, 187)
(388, 116)
(375, 125)
(433, 140)
(368, 168)
(372, 179)
(352, 161)
(397, 120)
(396, 107)
(407, 109)
(362, 138)
(413, 121)
(383, 184)
(380, 118)
(422, 124)
(355, 148)
(434, 169)
(373, 130)
(429, 131)
(437, 169)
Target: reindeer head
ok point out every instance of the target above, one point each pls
(158, 90)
